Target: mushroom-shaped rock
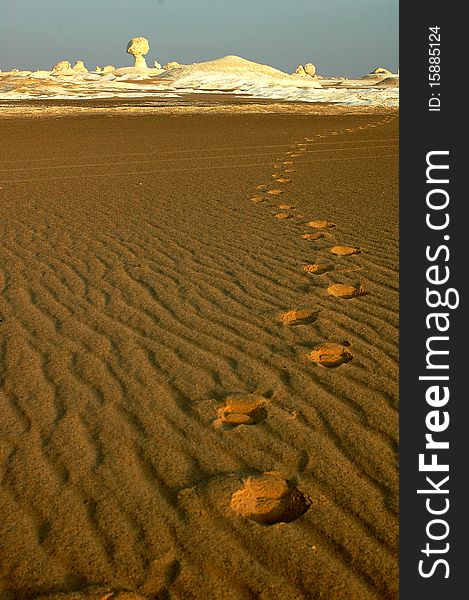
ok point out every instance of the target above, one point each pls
(344, 250)
(269, 499)
(320, 224)
(310, 69)
(108, 69)
(340, 290)
(62, 65)
(330, 355)
(245, 409)
(138, 47)
(98, 69)
(317, 268)
(299, 316)
(300, 71)
(157, 65)
(80, 67)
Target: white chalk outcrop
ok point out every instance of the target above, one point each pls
(172, 64)
(233, 73)
(310, 69)
(79, 67)
(61, 66)
(380, 73)
(138, 47)
(300, 71)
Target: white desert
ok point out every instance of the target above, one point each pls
(198, 327)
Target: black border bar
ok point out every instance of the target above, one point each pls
(434, 523)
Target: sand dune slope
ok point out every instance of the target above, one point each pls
(140, 290)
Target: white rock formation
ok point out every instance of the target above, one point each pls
(108, 69)
(381, 71)
(98, 70)
(300, 71)
(233, 72)
(138, 47)
(61, 66)
(80, 67)
(310, 69)
(157, 65)
(171, 65)
(379, 74)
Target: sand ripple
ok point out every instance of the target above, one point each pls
(134, 308)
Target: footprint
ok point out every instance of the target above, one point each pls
(268, 499)
(344, 250)
(312, 236)
(245, 409)
(283, 180)
(288, 162)
(262, 186)
(320, 224)
(340, 290)
(275, 192)
(299, 316)
(286, 206)
(258, 199)
(330, 355)
(283, 215)
(290, 170)
(317, 268)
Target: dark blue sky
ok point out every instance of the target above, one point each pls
(342, 37)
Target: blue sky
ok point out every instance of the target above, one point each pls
(341, 37)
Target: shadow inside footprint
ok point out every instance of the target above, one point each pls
(242, 409)
(269, 498)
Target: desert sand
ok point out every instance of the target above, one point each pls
(166, 431)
